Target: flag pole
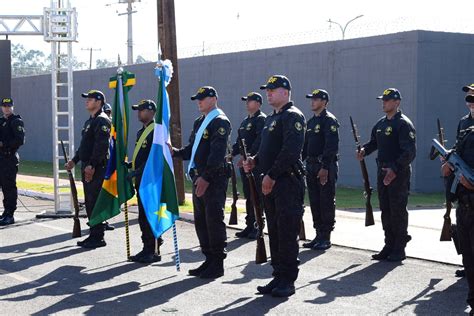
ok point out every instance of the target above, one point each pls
(125, 206)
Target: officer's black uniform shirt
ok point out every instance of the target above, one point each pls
(282, 141)
(250, 129)
(144, 152)
(12, 133)
(395, 141)
(322, 138)
(94, 145)
(465, 140)
(209, 159)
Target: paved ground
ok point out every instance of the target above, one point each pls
(425, 228)
(43, 272)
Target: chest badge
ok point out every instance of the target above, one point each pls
(317, 128)
(249, 126)
(144, 144)
(205, 134)
(388, 131)
(272, 126)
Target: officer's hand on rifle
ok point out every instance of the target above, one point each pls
(267, 185)
(360, 154)
(248, 164)
(69, 165)
(389, 176)
(466, 183)
(88, 173)
(446, 169)
(201, 186)
(323, 176)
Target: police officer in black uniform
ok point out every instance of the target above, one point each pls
(12, 136)
(279, 159)
(107, 110)
(146, 114)
(321, 154)
(93, 154)
(464, 147)
(250, 130)
(210, 176)
(394, 138)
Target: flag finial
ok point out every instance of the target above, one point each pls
(120, 68)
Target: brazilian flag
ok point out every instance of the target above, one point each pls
(116, 189)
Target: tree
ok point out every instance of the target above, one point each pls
(25, 63)
(104, 63)
(141, 60)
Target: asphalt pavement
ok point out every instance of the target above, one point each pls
(42, 272)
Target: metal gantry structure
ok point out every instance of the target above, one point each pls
(58, 25)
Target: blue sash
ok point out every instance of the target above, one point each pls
(197, 139)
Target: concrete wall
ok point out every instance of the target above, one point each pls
(429, 69)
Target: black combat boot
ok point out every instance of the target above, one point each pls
(324, 243)
(313, 242)
(383, 254)
(253, 234)
(94, 243)
(284, 288)
(397, 256)
(107, 226)
(7, 220)
(136, 257)
(148, 258)
(197, 272)
(244, 233)
(214, 270)
(268, 288)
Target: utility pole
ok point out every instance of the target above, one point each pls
(343, 29)
(91, 49)
(130, 29)
(167, 40)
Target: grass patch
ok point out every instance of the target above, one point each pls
(345, 197)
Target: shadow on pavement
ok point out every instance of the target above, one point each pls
(136, 303)
(351, 285)
(451, 301)
(260, 305)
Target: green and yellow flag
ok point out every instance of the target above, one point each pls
(116, 189)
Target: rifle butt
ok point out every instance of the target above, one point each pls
(233, 216)
(302, 235)
(261, 254)
(369, 217)
(446, 231)
(76, 230)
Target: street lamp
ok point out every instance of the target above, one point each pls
(343, 29)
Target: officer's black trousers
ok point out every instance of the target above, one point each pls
(91, 193)
(8, 171)
(209, 217)
(465, 226)
(322, 198)
(393, 204)
(148, 238)
(284, 210)
(250, 217)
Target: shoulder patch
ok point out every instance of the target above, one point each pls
(412, 135)
(20, 128)
(333, 128)
(105, 128)
(221, 131)
(298, 126)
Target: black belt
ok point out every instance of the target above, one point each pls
(317, 159)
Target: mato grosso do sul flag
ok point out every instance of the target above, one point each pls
(157, 187)
(116, 189)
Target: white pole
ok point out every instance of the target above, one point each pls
(130, 34)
